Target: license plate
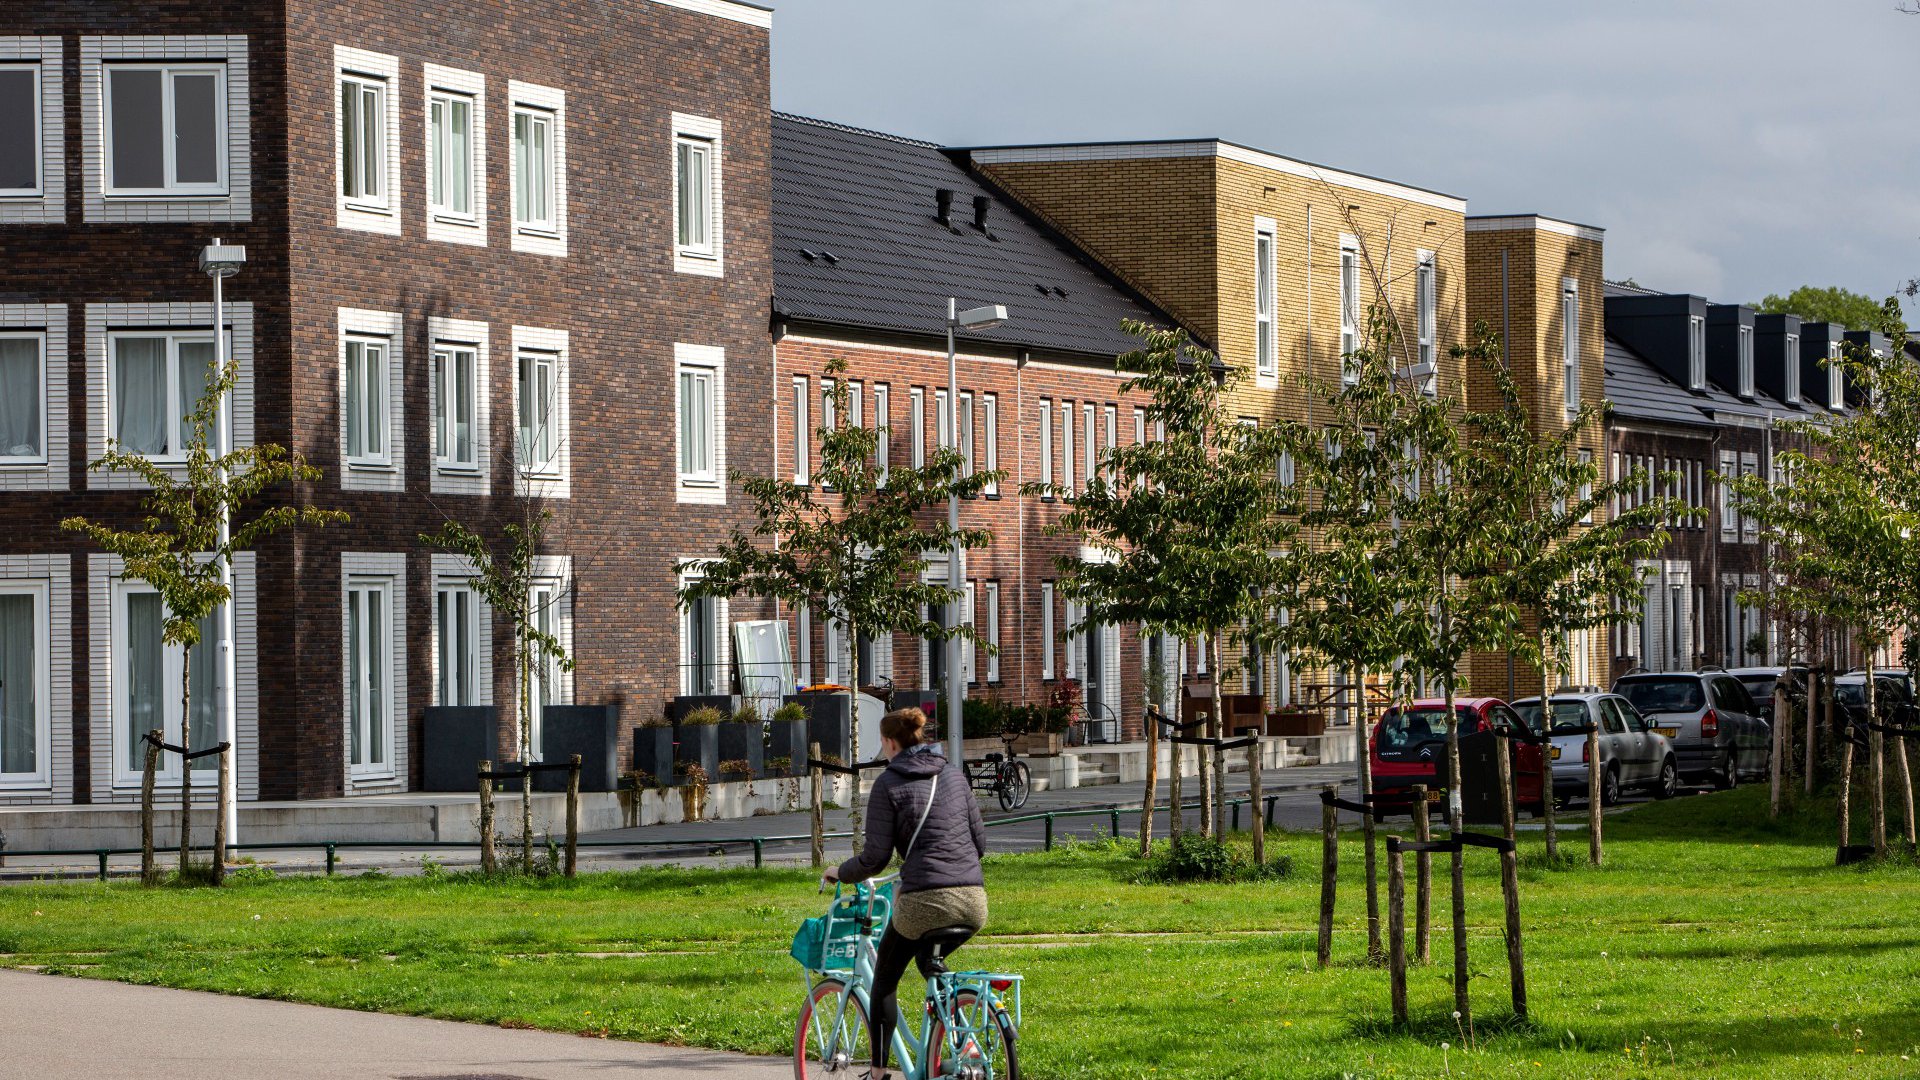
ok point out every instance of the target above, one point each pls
(1556, 752)
(1669, 732)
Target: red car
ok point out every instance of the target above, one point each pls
(1407, 742)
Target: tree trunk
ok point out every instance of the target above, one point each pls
(1456, 819)
(1176, 814)
(1876, 766)
(526, 760)
(1423, 880)
(1546, 753)
(819, 815)
(488, 864)
(1596, 847)
(1256, 804)
(1153, 781)
(1845, 798)
(225, 758)
(149, 873)
(1816, 715)
(186, 766)
(573, 815)
(1219, 725)
(1782, 718)
(1376, 949)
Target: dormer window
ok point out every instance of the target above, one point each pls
(1746, 361)
(1697, 353)
(1793, 369)
(1836, 378)
(1570, 342)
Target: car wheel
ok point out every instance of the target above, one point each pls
(1669, 783)
(1610, 788)
(1728, 777)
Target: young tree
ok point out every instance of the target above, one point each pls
(178, 549)
(854, 541)
(1183, 528)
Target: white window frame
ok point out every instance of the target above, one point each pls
(171, 185)
(1090, 448)
(883, 431)
(694, 570)
(550, 478)
(706, 362)
(1110, 417)
(1586, 487)
(38, 460)
(1266, 343)
(543, 235)
(1749, 525)
(1836, 378)
(1350, 314)
(942, 420)
(40, 592)
(1792, 372)
(1570, 341)
(1046, 445)
(448, 688)
(36, 69)
(1426, 319)
(540, 430)
(917, 425)
(443, 147)
(1743, 341)
(1067, 463)
(551, 596)
(174, 337)
(362, 692)
(699, 134)
(451, 360)
(368, 93)
(990, 452)
(991, 596)
(1696, 352)
(448, 88)
(385, 471)
(45, 203)
(1046, 631)
(379, 72)
(173, 666)
(802, 430)
(372, 394)
(1729, 518)
(965, 431)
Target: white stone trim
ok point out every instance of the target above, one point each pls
(51, 321)
(354, 215)
(446, 568)
(715, 358)
(53, 574)
(392, 567)
(237, 203)
(49, 207)
(104, 318)
(1532, 222)
(449, 228)
(108, 786)
(699, 127)
(1138, 151)
(731, 10)
(532, 241)
(356, 476)
(556, 484)
(461, 481)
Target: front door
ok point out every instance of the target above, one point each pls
(1094, 681)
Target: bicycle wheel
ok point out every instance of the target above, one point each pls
(819, 1048)
(995, 1052)
(1020, 781)
(1003, 787)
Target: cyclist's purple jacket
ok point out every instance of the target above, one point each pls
(952, 841)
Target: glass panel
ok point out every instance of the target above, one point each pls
(376, 677)
(196, 128)
(203, 693)
(356, 365)
(522, 175)
(196, 360)
(543, 387)
(689, 432)
(19, 128)
(349, 140)
(463, 412)
(136, 124)
(437, 151)
(146, 671)
(373, 399)
(373, 160)
(140, 394)
(20, 397)
(460, 155)
(442, 402)
(356, 681)
(463, 646)
(526, 411)
(19, 682)
(539, 171)
(443, 601)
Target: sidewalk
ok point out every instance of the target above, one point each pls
(82, 1029)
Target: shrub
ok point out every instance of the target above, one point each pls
(1195, 858)
(790, 712)
(736, 767)
(659, 719)
(704, 716)
(638, 780)
(747, 713)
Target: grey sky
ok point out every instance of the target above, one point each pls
(1729, 148)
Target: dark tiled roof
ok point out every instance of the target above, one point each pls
(1639, 391)
(855, 244)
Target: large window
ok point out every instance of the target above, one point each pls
(1046, 630)
(538, 406)
(369, 670)
(1425, 311)
(802, 431)
(24, 683)
(20, 164)
(1746, 361)
(534, 171)
(455, 410)
(23, 403)
(456, 615)
(157, 382)
(450, 154)
(1792, 371)
(883, 429)
(693, 196)
(1046, 444)
(363, 141)
(1697, 352)
(1570, 341)
(149, 675)
(698, 422)
(166, 129)
(364, 405)
(702, 653)
(1836, 377)
(1266, 362)
(990, 432)
(544, 603)
(917, 425)
(992, 595)
(1349, 306)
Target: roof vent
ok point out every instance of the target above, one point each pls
(980, 205)
(943, 206)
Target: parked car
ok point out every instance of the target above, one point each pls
(1889, 693)
(1632, 753)
(1408, 742)
(1716, 730)
(1760, 682)
(1895, 675)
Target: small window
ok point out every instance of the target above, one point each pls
(693, 195)
(942, 420)
(1349, 307)
(1586, 486)
(363, 141)
(992, 595)
(456, 613)
(25, 720)
(1697, 352)
(1087, 437)
(917, 425)
(147, 676)
(1426, 318)
(1746, 361)
(166, 129)
(369, 677)
(1046, 630)
(158, 381)
(1066, 446)
(1793, 369)
(1836, 377)
(365, 404)
(450, 171)
(802, 431)
(544, 602)
(454, 407)
(698, 394)
(23, 400)
(990, 431)
(538, 402)
(534, 172)
(965, 443)
(883, 431)
(20, 164)
(1266, 355)
(1570, 341)
(1046, 443)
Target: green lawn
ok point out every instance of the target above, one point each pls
(1713, 944)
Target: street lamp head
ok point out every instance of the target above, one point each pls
(985, 317)
(222, 260)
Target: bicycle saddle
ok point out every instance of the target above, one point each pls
(938, 945)
(996, 758)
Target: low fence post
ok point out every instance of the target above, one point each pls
(220, 818)
(1049, 832)
(1236, 816)
(1254, 800)
(1397, 927)
(573, 815)
(759, 852)
(1116, 823)
(1782, 722)
(330, 860)
(487, 861)
(103, 864)
(1271, 800)
(819, 809)
(1423, 880)
(1329, 874)
(149, 873)
(1176, 814)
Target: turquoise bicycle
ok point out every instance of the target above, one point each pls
(967, 1029)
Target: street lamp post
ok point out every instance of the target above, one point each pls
(221, 261)
(985, 317)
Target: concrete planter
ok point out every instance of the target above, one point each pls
(593, 732)
(653, 753)
(453, 742)
(744, 742)
(788, 739)
(829, 723)
(696, 744)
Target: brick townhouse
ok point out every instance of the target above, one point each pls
(500, 256)
(872, 235)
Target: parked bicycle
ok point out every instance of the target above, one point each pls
(1002, 775)
(968, 1028)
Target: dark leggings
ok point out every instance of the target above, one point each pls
(890, 963)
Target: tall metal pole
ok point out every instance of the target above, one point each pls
(225, 725)
(956, 686)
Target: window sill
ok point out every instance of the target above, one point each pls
(695, 254)
(21, 464)
(537, 232)
(23, 196)
(365, 208)
(455, 469)
(169, 196)
(455, 220)
(371, 466)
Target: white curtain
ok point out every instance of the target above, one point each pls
(146, 675)
(204, 700)
(140, 394)
(20, 397)
(19, 745)
(196, 371)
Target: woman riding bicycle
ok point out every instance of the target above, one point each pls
(921, 807)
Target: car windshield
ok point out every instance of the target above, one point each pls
(1853, 694)
(1404, 729)
(1569, 717)
(1663, 695)
(1760, 686)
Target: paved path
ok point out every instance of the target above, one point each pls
(81, 1029)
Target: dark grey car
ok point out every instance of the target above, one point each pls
(1708, 716)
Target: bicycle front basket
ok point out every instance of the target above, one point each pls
(830, 942)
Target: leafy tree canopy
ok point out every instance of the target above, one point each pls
(1834, 304)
